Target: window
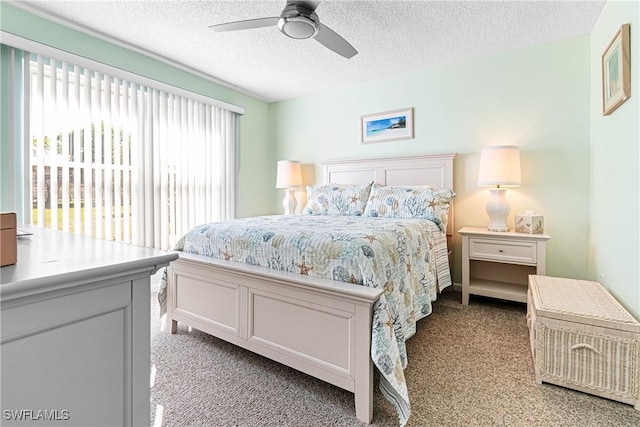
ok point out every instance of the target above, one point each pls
(114, 158)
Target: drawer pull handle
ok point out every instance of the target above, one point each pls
(587, 346)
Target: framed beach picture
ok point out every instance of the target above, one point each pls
(616, 72)
(387, 126)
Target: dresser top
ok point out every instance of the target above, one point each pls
(580, 301)
(49, 260)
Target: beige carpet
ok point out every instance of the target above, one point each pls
(468, 366)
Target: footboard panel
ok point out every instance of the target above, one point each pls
(317, 334)
(317, 326)
(217, 304)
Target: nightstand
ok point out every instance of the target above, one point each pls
(498, 264)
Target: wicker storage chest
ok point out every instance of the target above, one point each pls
(583, 339)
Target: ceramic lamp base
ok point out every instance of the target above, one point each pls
(498, 209)
(289, 202)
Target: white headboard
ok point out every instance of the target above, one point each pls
(433, 170)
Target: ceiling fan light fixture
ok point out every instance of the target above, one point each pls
(298, 27)
(298, 22)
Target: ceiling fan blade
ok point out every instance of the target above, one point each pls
(311, 5)
(332, 40)
(245, 25)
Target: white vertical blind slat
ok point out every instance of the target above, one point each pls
(148, 186)
(173, 117)
(183, 189)
(205, 172)
(155, 166)
(207, 188)
(38, 132)
(87, 150)
(221, 159)
(193, 162)
(96, 119)
(117, 164)
(137, 175)
(176, 135)
(218, 159)
(65, 119)
(126, 148)
(107, 162)
(24, 134)
(51, 119)
(77, 144)
(163, 162)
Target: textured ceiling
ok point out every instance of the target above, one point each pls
(392, 37)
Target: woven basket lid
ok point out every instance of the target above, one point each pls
(574, 300)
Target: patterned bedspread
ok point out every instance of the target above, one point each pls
(405, 257)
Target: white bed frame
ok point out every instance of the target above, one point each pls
(318, 326)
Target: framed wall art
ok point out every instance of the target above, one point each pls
(616, 72)
(387, 126)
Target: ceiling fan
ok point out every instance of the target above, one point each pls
(298, 20)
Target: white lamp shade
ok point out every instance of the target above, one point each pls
(289, 174)
(499, 166)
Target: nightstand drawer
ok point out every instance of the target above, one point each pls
(503, 250)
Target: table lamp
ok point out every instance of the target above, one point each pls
(289, 175)
(499, 167)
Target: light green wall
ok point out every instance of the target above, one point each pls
(536, 98)
(614, 235)
(256, 154)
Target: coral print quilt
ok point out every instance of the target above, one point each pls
(405, 257)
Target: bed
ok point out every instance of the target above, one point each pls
(307, 311)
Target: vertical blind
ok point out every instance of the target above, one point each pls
(120, 160)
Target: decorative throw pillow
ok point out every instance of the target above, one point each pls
(410, 202)
(337, 199)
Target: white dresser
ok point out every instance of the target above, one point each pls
(74, 318)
